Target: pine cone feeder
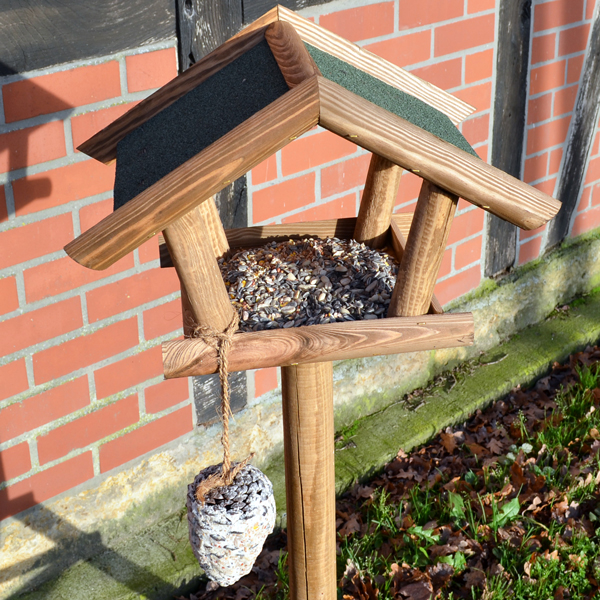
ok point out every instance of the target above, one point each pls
(228, 530)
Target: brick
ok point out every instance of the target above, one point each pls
(458, 285)
(31, 146)
(150, 70)
(465, 225)
(40, 325)
(525, 234)
(478, 66)
(530, 250)
(163, 319)
(410, 186)
(595, 197)
(361, 23)
(555, 160)
(480, 5)
(145, 438)
(314, 150)
(9, 298)
(60, 91)
(265, 380)
(85, 350)
(88, 429)
(589, 9)
(463, 35)
(540, 109)
(573, 40)
(15, 461)
(404, 50)
(45, 485)
(596, 145)
(24, 243)
(35, 411)
(557, 14)
(427, 12)
(91, 214)
(564, 100)
(547, 135)
(13, 380)
(336, 209)
(574, 68)
(547, 186)
(283, 197)
(585, 199)
(62, 185)
(482, 152)
(265, 171)
(344, 176)
(477, 129)
(479, 96)
(128, 372)
(593, 171)
(536, 168)
(3, 208)
(543, 48)
(585, 221)
(443, 74)
(83, 127)
(446, 264)
(467, 253)
(548, 77)
(148, 251)
(165, 394)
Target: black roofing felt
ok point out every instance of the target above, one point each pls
(196, 120)
(376, 91)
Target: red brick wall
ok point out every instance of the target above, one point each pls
(81, 390)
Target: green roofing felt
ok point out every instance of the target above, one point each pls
(196, 120)
(391, 99)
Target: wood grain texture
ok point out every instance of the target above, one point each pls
(39, 33)
(433, 159)
(190, 246)
(423, 253)
(510, 105)
(308, 442)
(321, 343)
(212, 222)
(377, 202)
(374, 65)
(295, 62)
(197, 179)
(398, 242)
(103, 145)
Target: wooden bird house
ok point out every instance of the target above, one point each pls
(265, 87)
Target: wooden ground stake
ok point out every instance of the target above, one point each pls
(377, 203)
(307, 392)
(424, 252)
(191, 249)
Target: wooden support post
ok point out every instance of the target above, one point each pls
(424, 252)
(377, 204)
(192, 252)
(310, 480)
(214, 225)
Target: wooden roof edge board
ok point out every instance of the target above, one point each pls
(432, 158)
(103, 145)
(315, 35)
(238, 151)
(321, 343)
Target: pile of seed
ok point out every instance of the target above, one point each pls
(308, 282)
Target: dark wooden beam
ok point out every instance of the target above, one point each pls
(581, 138)
(40, 33)
(255, 8)
(514, 31)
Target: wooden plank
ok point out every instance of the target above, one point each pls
(512, 70)
(197, 179)
(308, 443)
(295, 62)
(423, 252)
(433, 159)
(366, 61)
(191, 248)
(377, 202)
(103, 145)
(321, 343)
(581, 138)
(39, 33)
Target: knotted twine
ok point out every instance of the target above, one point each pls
(221, 341)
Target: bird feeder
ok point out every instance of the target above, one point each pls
(266, 86)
